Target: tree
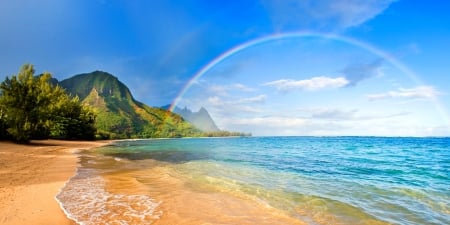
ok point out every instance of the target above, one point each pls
(32, 107)
(3, 127)
(21, 104)
(71, 120)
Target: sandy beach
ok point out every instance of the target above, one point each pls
(32, 175)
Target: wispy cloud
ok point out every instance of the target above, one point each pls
(333, 114)
(329, 15)
(312, 84)
(358, 72)
(351, 76)
(282, 125)
(217, 101)
(420, 92)
(256, 99)
(227, 107)
(242, 87)
(224, 89)
(271, 121)
(320, 122)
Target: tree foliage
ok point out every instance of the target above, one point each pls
(36, 107)
(31, 108)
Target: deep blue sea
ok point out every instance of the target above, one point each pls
(263, 180)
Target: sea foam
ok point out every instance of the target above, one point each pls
(85, 200)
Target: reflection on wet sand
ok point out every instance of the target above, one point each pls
(184, 203)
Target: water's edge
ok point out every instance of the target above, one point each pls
(75, 152)
(204, 168)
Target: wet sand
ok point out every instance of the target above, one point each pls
(32, 175)
(182, 203)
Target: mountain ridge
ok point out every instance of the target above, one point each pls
(200, 119)
(119, 115)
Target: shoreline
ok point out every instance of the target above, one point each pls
(32, 175)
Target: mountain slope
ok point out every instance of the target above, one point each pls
(119, 115)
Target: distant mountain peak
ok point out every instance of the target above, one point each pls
(201, 119)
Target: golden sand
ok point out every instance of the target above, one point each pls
(32, 175)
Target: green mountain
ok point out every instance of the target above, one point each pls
(119, 115)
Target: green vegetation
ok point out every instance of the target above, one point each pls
(119, 115)
(38, 107)
(31, 107)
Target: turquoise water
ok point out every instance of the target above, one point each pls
(319, 180)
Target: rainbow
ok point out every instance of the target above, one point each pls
(279, 36)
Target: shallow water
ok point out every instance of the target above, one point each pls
(263, 180)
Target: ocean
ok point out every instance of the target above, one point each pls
(263, 180)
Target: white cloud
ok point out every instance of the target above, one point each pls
(282, 125)
(351, 115)
(228, 107)
(256, 99)
(355, 12)
(313, 84)
(328, 15)
(335, 114)
(325, 121)
(215, 100)
(270, 122)
(242, 87)
(420, 92)
(223, 90)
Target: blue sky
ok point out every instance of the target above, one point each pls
(349, 67)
